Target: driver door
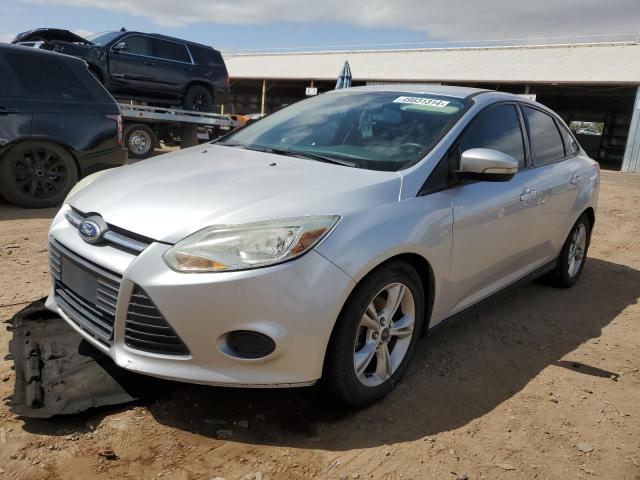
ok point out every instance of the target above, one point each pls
(492, 243)
(133, 69)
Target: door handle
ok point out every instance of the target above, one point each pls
(151, 64)
(527, 195)
(575, 180)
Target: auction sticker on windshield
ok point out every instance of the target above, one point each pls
(430, 102)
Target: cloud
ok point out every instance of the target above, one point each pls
(83, 33)
(6, 37)
(444, 19)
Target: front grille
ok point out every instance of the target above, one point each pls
(146, 328)
(95, 315)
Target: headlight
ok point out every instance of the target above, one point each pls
(253, 245)
(85, 182)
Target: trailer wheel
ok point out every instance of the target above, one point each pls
(140, 140)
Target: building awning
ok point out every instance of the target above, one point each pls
(610, 63)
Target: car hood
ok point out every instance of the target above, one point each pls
(50, 34)
(169, 197)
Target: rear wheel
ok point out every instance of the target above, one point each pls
(37, 174)
(573, 255)
(198, 98)
(140, 140)
(376, 335)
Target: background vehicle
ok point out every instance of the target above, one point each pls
(321, 241)
(57, 124)
(145, 67)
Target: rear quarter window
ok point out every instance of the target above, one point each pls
(205, 56)
(172, 51)
(48, 77)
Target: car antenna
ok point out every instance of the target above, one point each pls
(123, 29)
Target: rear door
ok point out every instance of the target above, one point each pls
(133, 69)
(15, 107)
(174, 63)
(556, 180)
(492, 226)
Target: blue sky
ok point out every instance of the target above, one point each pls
(253, 25)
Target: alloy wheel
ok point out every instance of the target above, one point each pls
(576, 249)
(40, 173)
(199, 102)
(384, 335)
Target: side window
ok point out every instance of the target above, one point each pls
(47, 77)
(570, 142)
(497, 128)
(171, 51)
(7, 84)
(546, 141)
(139, 45)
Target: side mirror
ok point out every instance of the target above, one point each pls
(486, 164)
(120, 46)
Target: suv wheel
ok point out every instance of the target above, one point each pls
(198, 98)
(376, 335)
(37, 174)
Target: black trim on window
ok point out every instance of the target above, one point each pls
(437, 181)
(559, 125)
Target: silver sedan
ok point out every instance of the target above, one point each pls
(321, 242)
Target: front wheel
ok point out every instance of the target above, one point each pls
(375, 336)
(573, 255)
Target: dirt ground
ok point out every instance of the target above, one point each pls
(539, 383)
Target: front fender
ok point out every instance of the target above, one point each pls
(422, 225)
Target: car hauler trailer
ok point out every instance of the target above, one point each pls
(146, 126)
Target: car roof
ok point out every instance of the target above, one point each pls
(166, 37)
(436, 89)
(38, 51)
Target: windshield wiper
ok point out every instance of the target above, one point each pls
(284, 151)
(315, 156)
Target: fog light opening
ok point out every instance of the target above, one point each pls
(248, 344)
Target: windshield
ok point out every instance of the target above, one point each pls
(373, 130)
(103, 38)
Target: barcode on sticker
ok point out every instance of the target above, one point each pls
(430, 102)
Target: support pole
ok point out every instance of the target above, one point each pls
(264, 94)
(631, 159)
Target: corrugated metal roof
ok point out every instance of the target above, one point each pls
(583, 63)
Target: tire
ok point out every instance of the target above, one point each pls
(566, 274)
(35, 174)
(140, 140)
(198, 98)
(352, 339)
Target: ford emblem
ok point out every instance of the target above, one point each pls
(90, 231)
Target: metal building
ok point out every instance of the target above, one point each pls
(594, 87)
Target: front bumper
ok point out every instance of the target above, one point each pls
(295, 304)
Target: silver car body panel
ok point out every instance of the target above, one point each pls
(478, 238)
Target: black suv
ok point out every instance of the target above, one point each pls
(57, 124)
(145, 67)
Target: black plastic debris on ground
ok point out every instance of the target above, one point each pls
(58, 372)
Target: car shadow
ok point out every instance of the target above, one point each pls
(458, 375)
